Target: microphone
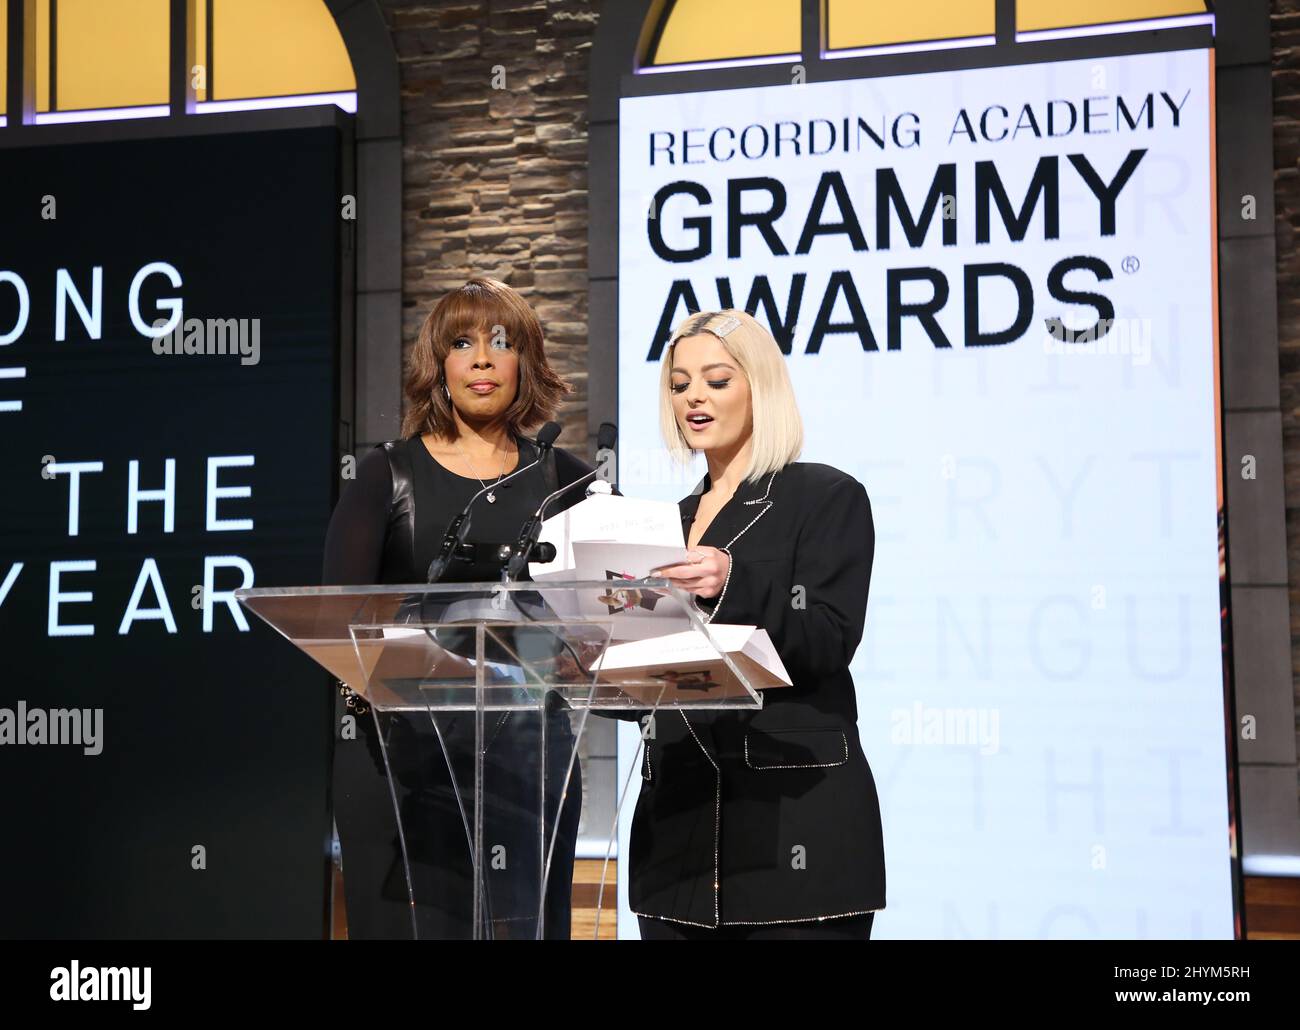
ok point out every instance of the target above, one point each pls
(547, 435)
(458, 528)
(606, 459)
(532, 529)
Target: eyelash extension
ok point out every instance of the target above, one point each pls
(717, 384)
(461, 339)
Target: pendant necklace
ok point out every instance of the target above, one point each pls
(492, 496)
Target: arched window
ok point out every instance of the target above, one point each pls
(1045, 19)
(99, 59)
(291, 48)
(891, 28)
(697, 32)
(689, 35)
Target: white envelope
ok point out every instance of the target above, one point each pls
(597, 559)
(607, 518)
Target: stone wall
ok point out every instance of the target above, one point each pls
(1286, 199)
(494, 121)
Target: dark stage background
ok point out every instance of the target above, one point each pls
(216, 739)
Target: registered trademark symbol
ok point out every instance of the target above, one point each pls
(1131, 264)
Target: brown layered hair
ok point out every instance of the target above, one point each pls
(482, 304)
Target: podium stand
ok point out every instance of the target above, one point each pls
(479, 694)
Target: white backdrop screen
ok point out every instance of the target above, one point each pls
(995, 288)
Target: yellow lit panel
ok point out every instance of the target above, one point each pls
(4, 61)
(111, 54)
(199, 73)
(277, 49)
(42, 55)
(714, 30)
(1058, 14)
(863, 23)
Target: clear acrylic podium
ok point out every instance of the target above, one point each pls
(478, 696)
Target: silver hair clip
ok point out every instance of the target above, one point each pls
(727, 325)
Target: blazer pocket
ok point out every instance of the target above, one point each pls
(796, 749)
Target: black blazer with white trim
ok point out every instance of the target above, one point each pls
(771, 815)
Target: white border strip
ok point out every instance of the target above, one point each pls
(1074, 32)
(1271, 865)
(346, 100)
(1178, 21)
(728, 62)
(909, 48)
(103, 114)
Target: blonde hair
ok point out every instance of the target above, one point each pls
(778, 429)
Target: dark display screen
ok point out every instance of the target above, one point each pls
(164, 755)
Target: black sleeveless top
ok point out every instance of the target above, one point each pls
(386, 528)
(389, 523)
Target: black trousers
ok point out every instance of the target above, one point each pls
(845, 928)
(434, 816)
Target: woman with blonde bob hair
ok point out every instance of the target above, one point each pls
(761, 824)
(778, 434)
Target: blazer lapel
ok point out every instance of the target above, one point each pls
(688, 505)
(747, 505)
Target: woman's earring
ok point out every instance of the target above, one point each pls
(446, 393)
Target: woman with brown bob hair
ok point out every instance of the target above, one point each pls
(476, 380)
(493, 307)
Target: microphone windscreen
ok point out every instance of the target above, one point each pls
(547, 435)
(606, 436)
